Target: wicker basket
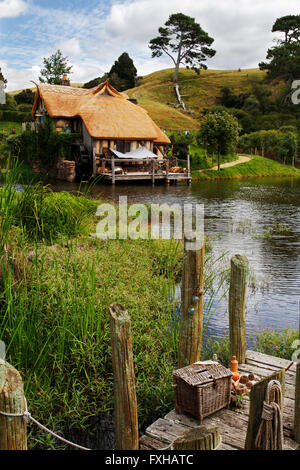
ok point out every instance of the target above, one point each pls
(202, 389)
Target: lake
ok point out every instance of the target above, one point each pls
(240, 216)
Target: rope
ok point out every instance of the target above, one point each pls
(270, 433)
(27, 417)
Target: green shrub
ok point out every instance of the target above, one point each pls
(46, 215)
(276, 343)
(8, 115)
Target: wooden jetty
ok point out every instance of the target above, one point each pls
(232, 423)
(114, 169)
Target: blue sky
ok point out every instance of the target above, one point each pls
(93, 33)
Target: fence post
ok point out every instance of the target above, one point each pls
(237, 306)
(257, 397)
(200, 438)
(191, 323)
(126, 417)
(153, 171)
(13, 433)
(297, 404)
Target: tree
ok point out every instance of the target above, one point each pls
(123, 74)
(288, 148)
(55, 66)
(185, 42)
(180, 144)
(219, 133)
(96, 81)
(284, 58)
(25, 97)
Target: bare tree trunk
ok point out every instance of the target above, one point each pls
(175, 80)
(219, 166)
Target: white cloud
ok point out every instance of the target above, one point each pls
(18, 79)
(70, 47)
(241, 28)
(94, 37)
(12, 8)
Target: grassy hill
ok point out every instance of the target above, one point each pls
(156, 93)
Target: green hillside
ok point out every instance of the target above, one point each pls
(155, 93)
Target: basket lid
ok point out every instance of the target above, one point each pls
(201, 373)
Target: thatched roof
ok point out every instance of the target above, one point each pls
(106, 113)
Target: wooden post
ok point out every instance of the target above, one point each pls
(257, 397)
(297, 404)
(126, 417)
(167, 171)
(13, 433)
(153, 171)
(237, 306)
(94, 162)
(113, 170)
(200, 438)
(103, 165)
(191, 323)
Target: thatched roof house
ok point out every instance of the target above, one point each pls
(105, 117)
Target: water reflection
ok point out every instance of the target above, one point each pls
(239, 216)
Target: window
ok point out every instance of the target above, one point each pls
(122, 146)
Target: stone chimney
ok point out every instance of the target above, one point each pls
(65, 80)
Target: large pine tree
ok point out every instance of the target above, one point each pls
(284, 58)
(123, 74)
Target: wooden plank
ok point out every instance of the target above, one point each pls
(270, 368)
(182, 419)
(149, 443)
(269, 360)
(230, 423)
(257, 397)
(164, 430)
(261, 372)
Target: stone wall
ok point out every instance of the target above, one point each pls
(64, 170)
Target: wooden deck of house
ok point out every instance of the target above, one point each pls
(136, 176)
(232, 423)
(111, 169)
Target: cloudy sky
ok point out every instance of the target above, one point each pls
(93, 33)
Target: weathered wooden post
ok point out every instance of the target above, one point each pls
(113, 180)
(189, 168)
(257, 397)
(13, 433)
(237, 306)
(200, 438)
(126, 417)
(297, 404)
(153, 171)
(191, 323)
(94, 162)
(167, 171)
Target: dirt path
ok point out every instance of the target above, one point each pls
(241, 159)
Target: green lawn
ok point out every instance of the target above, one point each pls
(258, 166)
(7, 126)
